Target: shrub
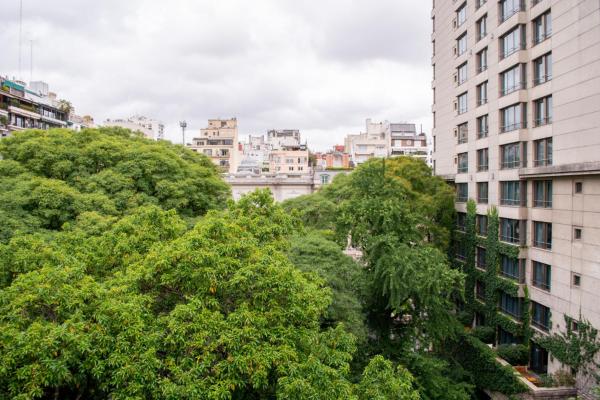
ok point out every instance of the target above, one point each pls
(514, 354)
(486, 334)
(563, 378)
(465, 318)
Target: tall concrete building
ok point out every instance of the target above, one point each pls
(150, 128)
(516, 113)
(219, 141)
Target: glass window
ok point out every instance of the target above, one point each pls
(482, 126)
(511, 193)
(513, 117)
(510, 230)
(542, 194)
(510, 305)
(508, 8)
(461, 44)
(480, 290)
(512, 42)
(542, 275)
(461, 74)
(482, 160)
(512, 80)
(542, 150)
(482, 60)
(511, 267)
(462, 192)
(462, 103)
(324, 179)
(542, 235)
(511, 155)
(543, 111)
(482, 27)
(461, 14)
(542, 28)
(463, 163)
(540, 316)
(482, 192)
(463, 133)
(461, 221)
(542, 69)
(481, 257)
(482, 97)
(505, 337)
(481, 225)
(460, 250)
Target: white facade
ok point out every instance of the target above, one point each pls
(150, 128)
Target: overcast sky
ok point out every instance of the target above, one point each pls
(319, 66)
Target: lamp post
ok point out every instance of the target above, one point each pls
(183, 125)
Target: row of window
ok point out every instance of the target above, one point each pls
(512, 155)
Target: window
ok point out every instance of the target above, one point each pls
(510, 305)
(462, 103)
(512, 268)
(542, 152)
(540, 316)
(482, 97)
(481, 257)
(461, 15)
(542, 194)
(480, 290)
(460, 250)
(542, 275)
(512, 79)
(542, 28)
(462, 192)
(576, 280)
(461, 221)
(482, 27)
(512, 42)
(542, 235)
(505, 337)
(461, 44)
(482, 126)
(324, 179)
(479, 3)
(481, 225)
(577, 233)
(511, 193)
(542, 69)
(461, 74)
(482, 58)
(513, 117)
(510, 230)
(482, 160)
(463, 133)
(482, 192)
(543, 111)
(513, 155)
(508, 8)
(578, 187)
(463, 163)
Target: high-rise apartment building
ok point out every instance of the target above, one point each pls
(219, 141)
(516, 114)
(150, 128)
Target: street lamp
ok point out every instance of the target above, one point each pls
(183, 125)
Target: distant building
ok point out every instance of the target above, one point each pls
(219, 142)
(150, 128)
(289, 161)
(336, 158)
(405, 141)
(29, 107)
(77, 122)
(284, 139)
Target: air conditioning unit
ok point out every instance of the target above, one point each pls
(455, 105)
(455, 50)
(454, 23)
(455, 132)
(456, 78)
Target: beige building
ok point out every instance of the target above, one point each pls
(289, 162)
(375, 142)
(150, 128)
(219, 141)
(516, 114)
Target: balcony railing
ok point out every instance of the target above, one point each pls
(513, 88)
(510, 239)
(542, 79)
(510, 202)
(542, 162)
(541, 203)
(508, 52)
(542, 244)
(543, 121)
(510, 164)
(538, 283)
(482, 101)
(483, 133)
(543, 325)
(510, 13)
(539, 39)
(482, 167)
(513, 127)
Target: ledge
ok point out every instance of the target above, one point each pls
(585, 168)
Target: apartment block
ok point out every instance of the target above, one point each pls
(516, 114)
(405, 141)
(30, 106)
(149, 127)
(219, 142)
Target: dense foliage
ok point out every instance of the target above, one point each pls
(48, 178)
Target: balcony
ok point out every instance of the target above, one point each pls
(507, 14)
(513, 127)
(513, 88)
(542, 79)
(542, 121)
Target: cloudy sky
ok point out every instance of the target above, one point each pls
(319, 66)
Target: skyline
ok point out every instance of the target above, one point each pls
(273, 65)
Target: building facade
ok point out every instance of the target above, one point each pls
(219, 142)
(405, 141)
(150, 128)
(516, 114)
(29, 107)
(374, 142)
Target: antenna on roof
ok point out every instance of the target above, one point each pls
(20, 37)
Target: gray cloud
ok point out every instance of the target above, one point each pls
(271, 63)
